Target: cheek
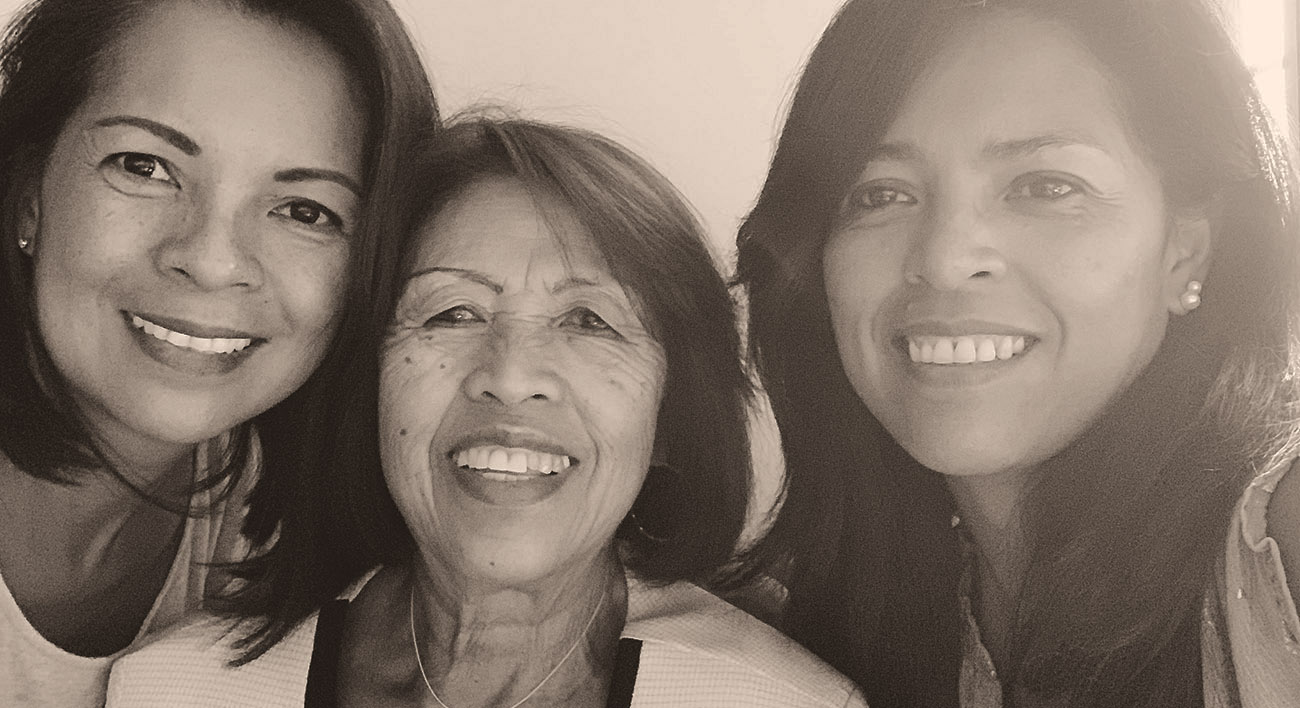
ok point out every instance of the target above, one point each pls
(859, 276)
(311, 283)
(417, 383)
(617, 394)
(1114, 300)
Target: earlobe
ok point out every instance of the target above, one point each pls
(29, 221)
(1187, 262)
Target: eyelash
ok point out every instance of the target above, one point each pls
(864, 197)
(457, 316)
(584, 318)
(1023, 187)
(123, 162)
(147, 168)
(287, 211)
(874, 197)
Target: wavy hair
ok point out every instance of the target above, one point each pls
(344, 522)
(1126, 523)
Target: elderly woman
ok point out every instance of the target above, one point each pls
(1024, 290)
(562, 417)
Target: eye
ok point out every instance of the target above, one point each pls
(143, 165)
(587, 320)
(309, 213)
(881, 197)
(1045, 187)
(457, 316)
(875, 198)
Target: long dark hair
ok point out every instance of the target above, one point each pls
(1125, 524)
(343, 521)
(47, 65)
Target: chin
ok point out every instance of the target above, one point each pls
(972, 454)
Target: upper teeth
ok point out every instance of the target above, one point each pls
(966, 349)
(214, 345)
(514, 460)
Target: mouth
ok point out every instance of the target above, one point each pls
(966, 349)
(511, 464)
(230, 343)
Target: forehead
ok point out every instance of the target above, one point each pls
(207, 62)
(498, 224)
(1007, 75)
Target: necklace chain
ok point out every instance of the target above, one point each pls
(415, 644)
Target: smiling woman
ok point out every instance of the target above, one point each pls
(186, 239)
(1023, 290)
(559, 336)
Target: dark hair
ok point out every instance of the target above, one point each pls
(345, 522)
(47, 69)
(1126, 523)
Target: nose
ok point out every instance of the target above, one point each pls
(955, 248)
(211, 251)
(516, 366)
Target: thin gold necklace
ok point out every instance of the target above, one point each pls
(415, 644)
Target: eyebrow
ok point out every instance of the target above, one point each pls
(311, 174)
(482, 279)
(177, 139)
(1012, 149)
(571, 283)
(465, 273)
(1002, 149)
(897, 152)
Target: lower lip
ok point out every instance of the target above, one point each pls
(184, 360)
(519, 491)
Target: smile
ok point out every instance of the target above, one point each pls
(207, 345)
(511, 463)
(964, 349)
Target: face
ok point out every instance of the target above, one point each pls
(192, 227)
(1004, 265)
(519, 391)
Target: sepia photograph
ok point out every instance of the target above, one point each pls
(698, 353)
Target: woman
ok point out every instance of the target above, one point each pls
(187, 192)
(560, 336)
(1053, 246)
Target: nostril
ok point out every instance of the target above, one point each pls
(982, 274)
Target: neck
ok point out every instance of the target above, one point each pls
(989, 506)
(94, 502)
(492, 646)
(990, 510)
(163, 469)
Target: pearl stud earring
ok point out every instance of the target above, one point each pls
(1191, 297)
(24, 242)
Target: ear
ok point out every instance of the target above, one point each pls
(28, 220)
(1187, 255)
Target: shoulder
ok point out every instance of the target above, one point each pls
(188, 665)
(1284, 525)
(698, 649)
(1253, 617)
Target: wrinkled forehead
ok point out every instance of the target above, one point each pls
(502, 216)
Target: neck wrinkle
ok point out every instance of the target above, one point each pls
(463, 627)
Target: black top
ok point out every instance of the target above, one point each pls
(322, 675)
